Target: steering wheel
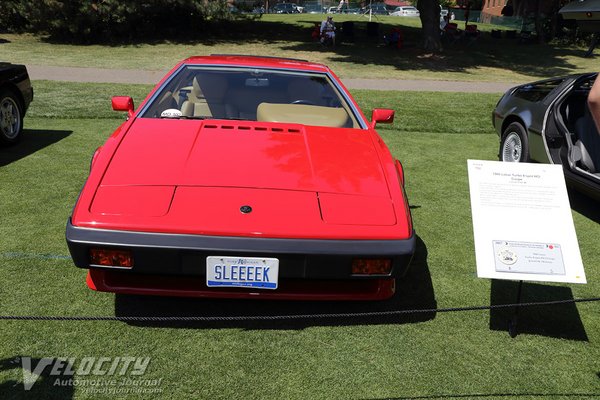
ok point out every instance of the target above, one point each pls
(305, 102)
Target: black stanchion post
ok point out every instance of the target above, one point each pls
(512, 324)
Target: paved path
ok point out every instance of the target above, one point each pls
(74, 74)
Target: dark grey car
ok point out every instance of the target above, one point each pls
(549, 122)
(285, 8)
(15, 95)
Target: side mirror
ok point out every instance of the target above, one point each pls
(382, 115)
(123, 103)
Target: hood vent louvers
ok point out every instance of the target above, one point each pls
(252, 128)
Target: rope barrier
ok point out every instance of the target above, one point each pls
(287, 317)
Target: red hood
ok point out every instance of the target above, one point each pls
(194, 177)
(157, 152)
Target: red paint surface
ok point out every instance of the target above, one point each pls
(192, 177)
(189, 176)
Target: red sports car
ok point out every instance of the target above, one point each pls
(245, 177)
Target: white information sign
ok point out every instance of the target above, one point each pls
(522, 223)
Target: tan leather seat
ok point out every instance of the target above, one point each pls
(208, 98)
(196, 104)
(302, 114)
(245, 101)
(215, 88)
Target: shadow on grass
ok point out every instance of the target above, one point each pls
(43, 388)
(414, 291)
(533, 60)
(32, 140)
(527, 59)
(499, 395)
(557, 321)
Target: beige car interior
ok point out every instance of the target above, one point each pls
(213, 87)
(211, 95)
(302, 114)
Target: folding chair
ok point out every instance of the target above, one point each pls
(451, 33)
(471, 33)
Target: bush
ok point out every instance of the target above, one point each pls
(11, 17)
(84, 21)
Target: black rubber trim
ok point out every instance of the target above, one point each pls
(242, 244)
(582, 183)
(180, 254)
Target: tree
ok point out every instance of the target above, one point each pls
(542, 13)
(96, 21)
(430, 20)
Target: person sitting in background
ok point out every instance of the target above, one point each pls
(316, 32)
(394, 38)
(444, 22)
(328, 31)
(451, 33)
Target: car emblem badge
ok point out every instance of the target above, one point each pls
(246, 209)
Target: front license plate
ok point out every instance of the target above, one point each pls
(250, 272)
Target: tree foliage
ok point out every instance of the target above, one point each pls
(84, 21)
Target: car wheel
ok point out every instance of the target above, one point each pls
(514, 146)
(11, 117)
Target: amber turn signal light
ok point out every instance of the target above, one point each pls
(111, 258)
(371, 266)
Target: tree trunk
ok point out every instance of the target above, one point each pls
(539, 29)
(554, 20)
(520, 6)
(430, 20)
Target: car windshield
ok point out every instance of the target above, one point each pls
(252, 94)
(537, 91)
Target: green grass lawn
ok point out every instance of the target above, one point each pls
(444, 355)
(487, 59)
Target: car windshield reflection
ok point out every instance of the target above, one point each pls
(252, 94)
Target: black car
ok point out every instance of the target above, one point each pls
(549, 122)
(285, 8)
(16, 94)
(586, 14)
(376, 9)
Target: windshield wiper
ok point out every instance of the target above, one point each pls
(193, 117)
(206, 117)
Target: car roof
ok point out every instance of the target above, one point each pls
(587, 6)
(256, 61)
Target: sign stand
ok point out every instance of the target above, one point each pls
(513, 322)
(542, 246)
(370, 12)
